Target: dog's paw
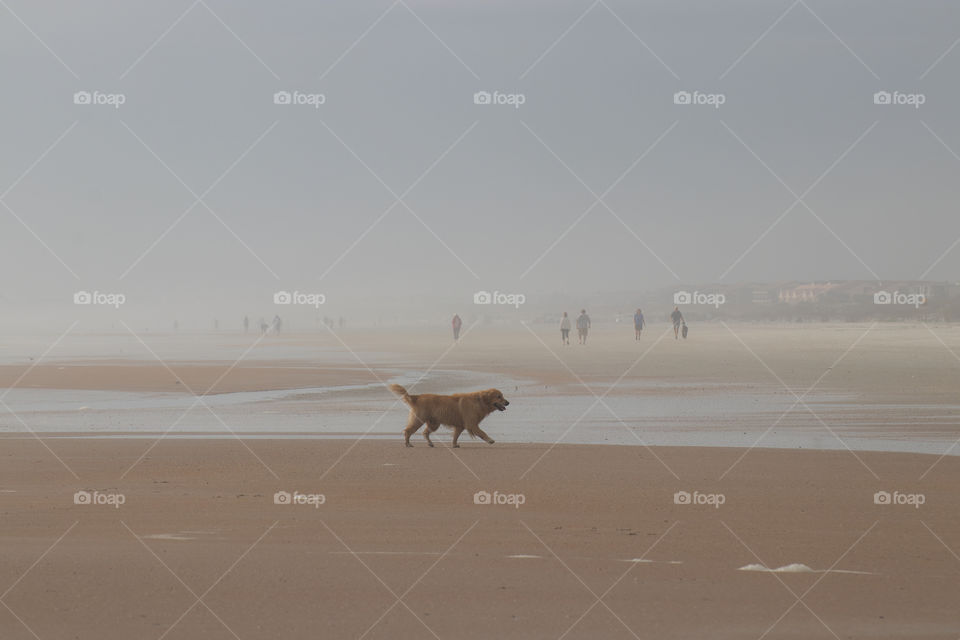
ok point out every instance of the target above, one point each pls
(456, 446)
(407, 444)
(491, 441)
(430, 444)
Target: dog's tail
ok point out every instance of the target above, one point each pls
(400, 391)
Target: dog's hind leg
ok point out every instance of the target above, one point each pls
(431, 427)
(413, 423)
(456, 434)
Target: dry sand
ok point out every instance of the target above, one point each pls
(199, 521)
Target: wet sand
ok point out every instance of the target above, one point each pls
(199, 521)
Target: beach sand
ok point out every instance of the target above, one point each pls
(398, 549)
(199, 522)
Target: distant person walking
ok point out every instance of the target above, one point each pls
(677, 318)
(638, 323)
(565, 330)
(457, 323)
(263, 327)
(583, 326)
(277, 324)
(246, 323)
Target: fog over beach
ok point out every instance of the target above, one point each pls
(693, 266)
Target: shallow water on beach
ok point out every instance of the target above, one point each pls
(642, 413)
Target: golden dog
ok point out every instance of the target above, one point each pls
(461, 411)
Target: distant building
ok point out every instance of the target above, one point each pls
(805, 292)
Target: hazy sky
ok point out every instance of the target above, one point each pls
(299, 194)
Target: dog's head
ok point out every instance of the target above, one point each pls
(495, 399)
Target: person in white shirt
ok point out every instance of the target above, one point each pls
(565, 329)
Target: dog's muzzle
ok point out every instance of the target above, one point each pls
(501, 407)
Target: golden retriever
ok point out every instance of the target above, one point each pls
(461, 411)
